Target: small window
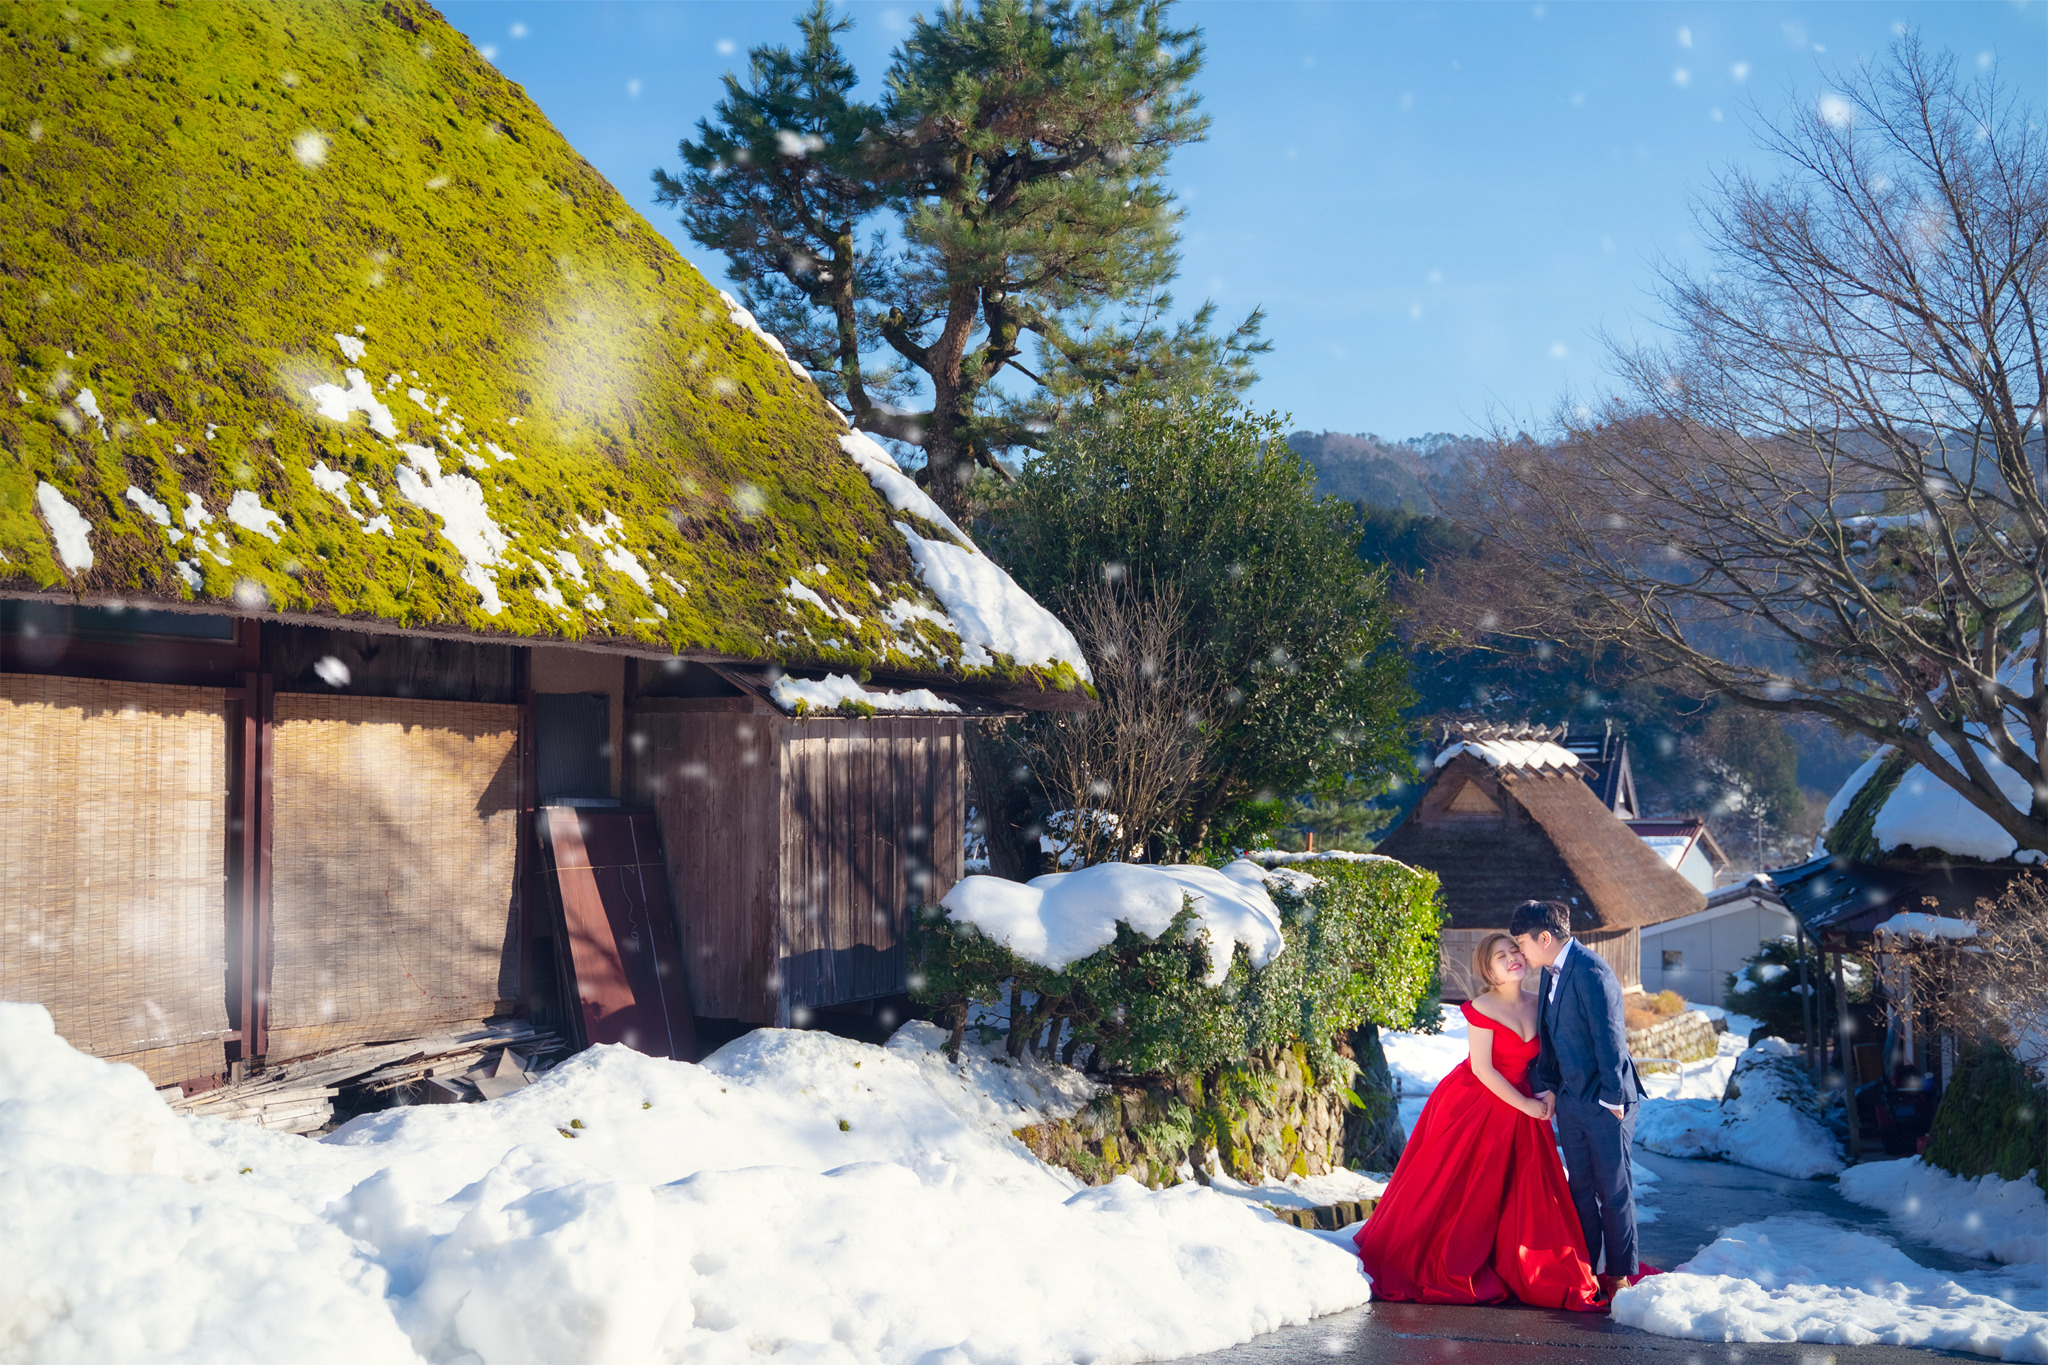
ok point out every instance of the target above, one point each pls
(1674, 960)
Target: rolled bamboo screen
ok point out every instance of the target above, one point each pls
(393, 829)
(113, 812)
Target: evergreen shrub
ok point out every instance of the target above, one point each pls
(1361, 946)
(1993, 1119)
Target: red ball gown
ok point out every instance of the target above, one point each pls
(1478, 1210)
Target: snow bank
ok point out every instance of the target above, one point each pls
(1770, 1120)
(1989, 1218)
(826, 693)
(1789, 1279)
(797, 1194)
(1706, 1079)
(1512, 753)
(1062, 917)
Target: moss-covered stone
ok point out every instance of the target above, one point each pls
(206, 208)
(1854, 835)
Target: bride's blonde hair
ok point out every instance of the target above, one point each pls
(1482, 956)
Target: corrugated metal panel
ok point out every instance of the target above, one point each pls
(612, 891)
(113, 813)
(394, 845)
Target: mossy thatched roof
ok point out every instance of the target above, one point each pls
(308, 310)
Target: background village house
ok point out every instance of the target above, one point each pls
(428, 599)
(1508, 816)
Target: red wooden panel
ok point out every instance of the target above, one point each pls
(623, 953)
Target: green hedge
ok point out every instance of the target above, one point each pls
(1361, 945)
(1993, 1119)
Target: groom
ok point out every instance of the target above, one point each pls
(1585, 1068)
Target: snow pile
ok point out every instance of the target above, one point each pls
(335, 403)
(1512, 753)
(797, 1193)
(1919, 924)
(1770, 1120)
(1988, 1218)
(1789, 1279)
(1062, 917)
(826, 693)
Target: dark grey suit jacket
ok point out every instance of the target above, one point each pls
(1584, 1036)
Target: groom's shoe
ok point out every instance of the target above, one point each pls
(1609, 1284)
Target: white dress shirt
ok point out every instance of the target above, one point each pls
(1557, 974)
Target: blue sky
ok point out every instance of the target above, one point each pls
(1440, 206)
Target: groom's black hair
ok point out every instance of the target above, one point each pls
(1536, 917)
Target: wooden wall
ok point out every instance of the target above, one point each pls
(795, 849)
(872, 825)
(713, 778)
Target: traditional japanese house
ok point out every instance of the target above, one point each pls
(1688, 845)
(1506, 817)
(423, 597)
(1694, 954)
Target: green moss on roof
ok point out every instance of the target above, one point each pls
(1855, 834)
(196, 198)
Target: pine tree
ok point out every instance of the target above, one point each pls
(1010, 183)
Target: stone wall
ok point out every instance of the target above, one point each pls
(1271, 1116)
(1687, 1037)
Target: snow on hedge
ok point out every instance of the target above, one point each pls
(1770, 1123)
(1989, 1218)
(798, 1195)
(1062, 917)
(1792, 1279)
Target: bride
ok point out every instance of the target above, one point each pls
(1478, 1210)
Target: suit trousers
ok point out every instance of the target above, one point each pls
(1596, 1157)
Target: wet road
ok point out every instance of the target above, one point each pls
(1696, 1199)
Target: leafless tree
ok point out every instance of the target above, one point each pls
(1122, 772)
(1824, 493)
(1995, 984)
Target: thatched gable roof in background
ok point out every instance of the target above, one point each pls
(308, 311)
(1552, 838)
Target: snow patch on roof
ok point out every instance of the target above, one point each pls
(247, 511)
(466, 523)
(1512, 753)
(72, 532)
(335, 403)
(1838, 806)
(988, 610)
(1919, 924)
(892, 483)
(826, 694)
(1062, 917)
(1925, 812)
(155, 511)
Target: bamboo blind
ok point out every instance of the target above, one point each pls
(393, 831)
(113, 811)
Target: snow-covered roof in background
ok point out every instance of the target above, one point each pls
(1918, 924)
(828, 692)
(1062, 917)
(1671, 847)
(1512, 753)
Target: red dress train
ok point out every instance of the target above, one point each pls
(1478, 1210)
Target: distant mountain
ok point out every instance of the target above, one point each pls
(1405, 476)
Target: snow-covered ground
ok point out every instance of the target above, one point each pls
(1772, 1123)
(1988, 1218)
(798, 1195)
(1801, 1279)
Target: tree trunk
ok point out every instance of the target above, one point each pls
(1373, 1139)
